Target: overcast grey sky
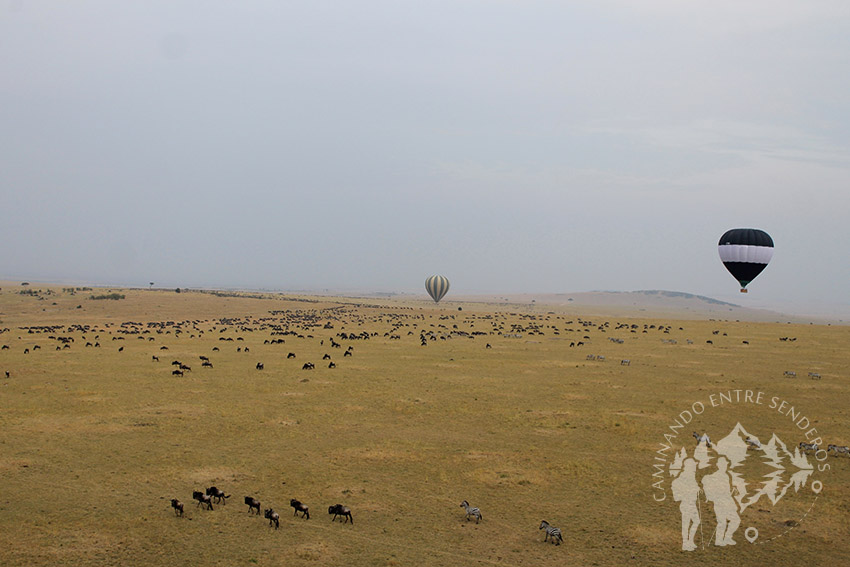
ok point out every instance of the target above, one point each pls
(513, 146)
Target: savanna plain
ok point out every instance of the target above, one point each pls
(96, 440)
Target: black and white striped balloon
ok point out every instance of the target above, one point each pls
(745, 252)
(437, 287)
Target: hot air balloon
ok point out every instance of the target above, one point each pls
(745, 252)
(437, 287)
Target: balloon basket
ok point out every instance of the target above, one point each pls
(744, 290)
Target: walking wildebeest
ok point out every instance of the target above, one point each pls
(299, 507)
(253, 504)
(273, 517)
(202, 499)
(218, 494)
(178, 507)
(342, 511)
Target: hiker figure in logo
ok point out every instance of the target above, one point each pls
(718, 490)
(686, 490)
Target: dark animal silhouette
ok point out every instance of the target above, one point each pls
(253, 504)
(202, 499)
(299, 507)
(178, 507)
(342, 511)
(219, 495)
(273, 517)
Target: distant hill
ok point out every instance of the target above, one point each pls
(677, 304)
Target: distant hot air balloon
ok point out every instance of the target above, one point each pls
(745, 252)
(437, 287)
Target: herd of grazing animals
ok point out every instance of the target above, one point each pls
(303, 326)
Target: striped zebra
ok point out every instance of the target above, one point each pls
(470, 511)
(838, 450)
(551, 531)
(702, 439)
(808, 447)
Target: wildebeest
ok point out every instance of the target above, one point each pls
(219, 495)
(290, 355)
(155, 358)
(207, 364)
(332, 365)
(308, 366)
(260, 366)
(253, 504)
(340, 510)
(178, 507)
(202, 499)
(177, 372)
(346, 353)
(299, 507)
(326, 357)
(273, 517)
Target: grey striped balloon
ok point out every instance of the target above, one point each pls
(437, 287)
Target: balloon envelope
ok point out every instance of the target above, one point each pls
(437, 287)
(745, 252)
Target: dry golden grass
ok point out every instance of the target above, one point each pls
(95, 442)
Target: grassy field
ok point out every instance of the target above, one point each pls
(96, 440)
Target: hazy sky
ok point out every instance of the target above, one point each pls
(534, 146)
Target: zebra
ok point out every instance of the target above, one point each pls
(551, 531)
(808, 446)
(701, 438)
(753, 442)
(838, 450)
(470, 511)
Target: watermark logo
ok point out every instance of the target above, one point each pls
(749, 480)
